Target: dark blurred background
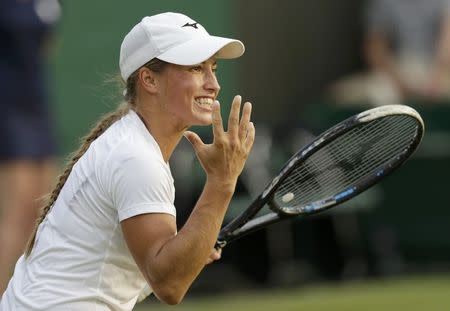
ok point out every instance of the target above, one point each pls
(295, 51)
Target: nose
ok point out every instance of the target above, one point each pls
(211, 83)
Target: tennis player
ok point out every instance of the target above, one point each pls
(107, 237)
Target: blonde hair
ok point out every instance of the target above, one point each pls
(105, 122)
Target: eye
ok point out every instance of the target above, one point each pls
(196, 68)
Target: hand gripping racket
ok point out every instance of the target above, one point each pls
(339, 164)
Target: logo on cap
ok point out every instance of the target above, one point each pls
(193, 25)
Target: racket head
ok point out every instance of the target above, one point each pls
(346, 160)
(331, 169)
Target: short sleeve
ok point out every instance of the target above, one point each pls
(141, 184)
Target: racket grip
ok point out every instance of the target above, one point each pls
(220, 244)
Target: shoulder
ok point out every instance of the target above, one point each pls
(136, 160)
(128, 140)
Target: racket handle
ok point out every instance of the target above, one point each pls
(220, 244)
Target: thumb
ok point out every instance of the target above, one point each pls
(194, 139)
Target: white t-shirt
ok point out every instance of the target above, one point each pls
(80, 260)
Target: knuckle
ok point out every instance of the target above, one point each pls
(234, 119)
(234, 144)
(219, 141)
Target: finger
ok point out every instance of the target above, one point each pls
(233, 119)
(209, 261)
(194, 139)
(250, 136)
(217, 120)
(215, 255)
(245, 119)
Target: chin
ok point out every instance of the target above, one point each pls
(203, 119)
(204, 122)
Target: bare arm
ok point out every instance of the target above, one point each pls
(441, 66)
(380, 58)
(443, 47)
(170, 262)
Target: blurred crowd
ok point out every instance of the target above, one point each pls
(27, 133)
(407, 51)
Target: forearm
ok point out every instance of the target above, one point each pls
(171, 261)
(179, 261)
(441, 66)
(443, 45)
(380, 58)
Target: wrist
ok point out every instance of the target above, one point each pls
(221, 185)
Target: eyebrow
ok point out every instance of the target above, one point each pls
(214, 64)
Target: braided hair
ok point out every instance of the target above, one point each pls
(102, 125)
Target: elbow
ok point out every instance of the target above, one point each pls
(170, 294)
(169, 284)
(170, 298)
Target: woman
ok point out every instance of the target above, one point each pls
(107, 236)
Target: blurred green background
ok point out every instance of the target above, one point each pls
(294, 50)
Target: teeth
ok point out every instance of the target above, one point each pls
(204, 101)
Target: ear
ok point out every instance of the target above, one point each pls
(148, 80)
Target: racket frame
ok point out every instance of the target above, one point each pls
(245, 223)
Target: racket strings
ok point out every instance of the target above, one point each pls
(374, 159)
(311, 166)
(345, 160)
(338, 154)
(348, 158)
(339, 172)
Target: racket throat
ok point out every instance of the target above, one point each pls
(220, 244)
(273, 206)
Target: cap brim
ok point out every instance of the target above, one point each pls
(200, 49)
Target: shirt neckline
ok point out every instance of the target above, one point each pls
(146, 133)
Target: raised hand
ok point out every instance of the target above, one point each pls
(224, 159)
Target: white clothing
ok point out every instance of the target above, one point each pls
(80, 260)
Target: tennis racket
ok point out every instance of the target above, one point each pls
(339, 164)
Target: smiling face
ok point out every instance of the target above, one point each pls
(186, 93)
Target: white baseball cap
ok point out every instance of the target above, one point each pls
(174, 38)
